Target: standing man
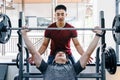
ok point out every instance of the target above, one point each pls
(60, 39)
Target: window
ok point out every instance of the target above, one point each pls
(80, 15)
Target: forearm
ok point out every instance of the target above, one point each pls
(35, 55)
(44, 45)
(78, 46)
(29, 45)
(42, 49)
(92, 45)
(85, 57)
(79, 49)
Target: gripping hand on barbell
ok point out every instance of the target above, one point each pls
(24, 30)
(98, 32)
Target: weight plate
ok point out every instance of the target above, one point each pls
(111, 62)
(116, 26)
(4, 24)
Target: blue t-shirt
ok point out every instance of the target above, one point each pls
(60, 71)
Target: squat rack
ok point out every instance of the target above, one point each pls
(28, 75)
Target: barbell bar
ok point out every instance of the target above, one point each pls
(104, 29)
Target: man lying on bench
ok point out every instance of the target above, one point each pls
(61, 69)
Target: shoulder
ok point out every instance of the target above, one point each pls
(69, 25)
(43, 66)
(78, 68)
(73, 32)
(52, 25)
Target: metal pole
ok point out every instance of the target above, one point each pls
(23, 5)
(27, 63)
(54, 3)
(4, 12)
(117, 12)
(103, 47)
(97, 61)
(20, 43)
(4, 6)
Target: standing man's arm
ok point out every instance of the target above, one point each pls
(80, 49)
(44, 45)
(77, 46)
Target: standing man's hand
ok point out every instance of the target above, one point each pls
(90, 60)
(35, 59)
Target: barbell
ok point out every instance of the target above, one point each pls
(110, 56)
(6, 29)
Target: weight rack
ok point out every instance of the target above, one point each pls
(28, 75)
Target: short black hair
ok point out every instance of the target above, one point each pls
(60, 7)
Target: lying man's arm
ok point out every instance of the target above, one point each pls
(35, 54)
(80, 65)
(85, 57)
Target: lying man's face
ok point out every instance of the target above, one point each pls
(61, 57)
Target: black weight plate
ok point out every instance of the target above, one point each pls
(4, 33)
(112, 61)
(107, 59)
(116, 25)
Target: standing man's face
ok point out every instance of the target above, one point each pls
(60, 15)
